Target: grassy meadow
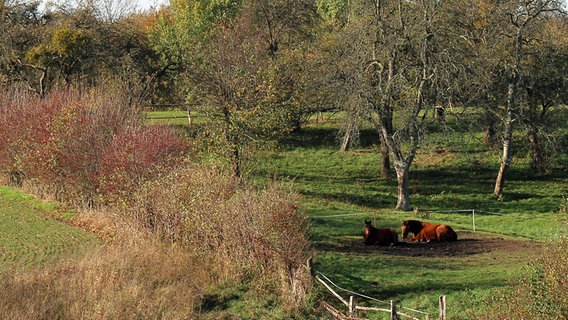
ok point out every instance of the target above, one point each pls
(34, 233)
(452, 175)
(453, 171)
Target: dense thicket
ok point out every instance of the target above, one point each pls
(91, 150)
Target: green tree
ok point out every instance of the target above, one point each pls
(228, 55)
(59, 58)
(544, 87)
(512, 63)
(21, 24)
(388, 63)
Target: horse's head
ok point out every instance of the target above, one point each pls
(368, 231)
(405, 229)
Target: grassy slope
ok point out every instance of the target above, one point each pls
(30, 237)
(451, 172)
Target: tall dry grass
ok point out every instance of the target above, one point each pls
(540, 293)
(142, 279)
(243, 230)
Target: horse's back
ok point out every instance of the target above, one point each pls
(387, 236)
(447, 233)
(392, 235)
(429, 232)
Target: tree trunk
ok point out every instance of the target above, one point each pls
(385, 158)
(440, 114)
(512, 89)
(236, 161)
(347, 136)
(539, 159)
(403, 202)
(489, 134)
(505, 162)
(507, 139)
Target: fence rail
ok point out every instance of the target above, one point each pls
(352, 307)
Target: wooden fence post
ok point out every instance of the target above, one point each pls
(310, 266)
(351, 306)
(442, 307)
(394, 315)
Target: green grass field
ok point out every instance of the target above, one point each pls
(30, 235)
(452, 173)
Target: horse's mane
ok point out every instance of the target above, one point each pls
(413, 224)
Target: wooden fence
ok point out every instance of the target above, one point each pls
(393, 309)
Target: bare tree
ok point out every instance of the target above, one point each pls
(521, 15)
(400, 75)
(114, 10)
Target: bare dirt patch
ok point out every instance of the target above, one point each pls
(469, 243)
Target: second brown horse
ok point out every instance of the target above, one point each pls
(424, 231)
(380, 236)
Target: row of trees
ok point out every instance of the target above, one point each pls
(260, 67)
(411, 58)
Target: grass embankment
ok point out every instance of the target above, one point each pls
(33, 232)
(453, 171)
(51, 269)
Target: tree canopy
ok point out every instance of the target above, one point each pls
(258, 69)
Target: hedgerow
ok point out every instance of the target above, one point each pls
(242, 229)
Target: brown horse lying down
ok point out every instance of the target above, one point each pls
(424, 231)
(381, 236)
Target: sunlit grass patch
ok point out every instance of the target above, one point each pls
(31, 237)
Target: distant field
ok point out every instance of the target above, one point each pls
(29, 236)
(174, 117)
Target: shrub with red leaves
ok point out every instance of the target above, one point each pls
(137, 154)
(24, 121)
(80, 145)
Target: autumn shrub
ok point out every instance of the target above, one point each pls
(82, 146)
(78, 136)
(542, 291)
(246, 232)
(24, 121)
(137, 154)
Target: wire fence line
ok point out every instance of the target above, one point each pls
(466, 210)
(352, 307)
(428, 211)
(340, 215)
